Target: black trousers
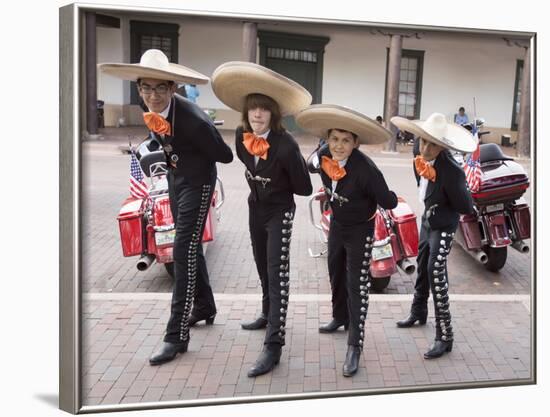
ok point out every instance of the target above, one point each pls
(270, 234)
(190, 205)
(349, 254)
(433, 249)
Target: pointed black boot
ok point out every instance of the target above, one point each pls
(270, 356)
(333, 326)
(412, 318)
(439, 348)
(167, 352)
(259, 323)
(194, 319)
(352, 360)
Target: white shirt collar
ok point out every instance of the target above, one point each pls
(423, 185)
(265, 134)
(342, 164)
(166, 111)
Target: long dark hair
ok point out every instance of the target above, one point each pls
(253, 101)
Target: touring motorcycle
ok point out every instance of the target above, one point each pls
(146, 224)
(502, 216)
(395, 234)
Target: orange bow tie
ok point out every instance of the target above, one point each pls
(255, 145)
(156, 123)
(424, 169)
(332, 168)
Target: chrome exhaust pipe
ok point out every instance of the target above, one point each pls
(521, 246)
(145, 262)
(478, 255)
(406, 266)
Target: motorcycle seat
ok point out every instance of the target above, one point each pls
(489, 152)
(149, 159)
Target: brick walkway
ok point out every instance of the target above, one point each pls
(491, 344)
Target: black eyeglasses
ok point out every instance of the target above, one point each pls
(160, 89)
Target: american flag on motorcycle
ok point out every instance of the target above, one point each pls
(138, 187)
(472, 166)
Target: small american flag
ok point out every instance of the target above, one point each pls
(472, 166)
(138, 187)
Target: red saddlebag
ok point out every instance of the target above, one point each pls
(522, 219)
(405, 225)
(130, 222)
(469, 227)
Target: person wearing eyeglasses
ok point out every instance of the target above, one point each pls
(192, 146)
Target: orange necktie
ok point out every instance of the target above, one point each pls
(255, 145)
(156, 123)
(332, 168)
(424, 169)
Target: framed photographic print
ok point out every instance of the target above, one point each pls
(128, 276)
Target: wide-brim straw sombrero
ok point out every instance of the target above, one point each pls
(154, 64)
(233, 81)
(318, 119)
(438, 130)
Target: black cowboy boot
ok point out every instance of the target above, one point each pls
(439, 348)
(259, 323)
(415, 315)
(352, 360)
(333, 326)
(167, 352)
(269, 357)
(419, 312)
(195, 319)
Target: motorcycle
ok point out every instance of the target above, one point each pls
(395, 235)
(146, 224)
(502, 216)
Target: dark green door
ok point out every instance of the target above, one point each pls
(298, 57)
(304, 73)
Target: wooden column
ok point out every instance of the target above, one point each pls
(524, 125)
(392, 92)
(250, 36)
(91, 78)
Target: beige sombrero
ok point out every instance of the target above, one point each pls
(437, 130)
(318, 119)
(154, 64)
(233, 81)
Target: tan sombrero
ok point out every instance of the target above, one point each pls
(233, 81)
(320, 118)
(437, 130)
(154, 64)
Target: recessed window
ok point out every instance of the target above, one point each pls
(292, 54)
(163, 43)
(410, 83)
(152, 35)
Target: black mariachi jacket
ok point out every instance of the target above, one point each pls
(281, 175)
(364, 187)
(448, 195)
(195, 141)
